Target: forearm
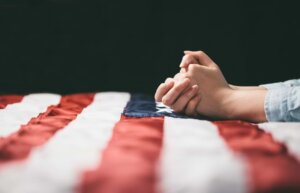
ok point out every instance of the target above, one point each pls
(247, 104)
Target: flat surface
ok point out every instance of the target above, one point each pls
(119, 142)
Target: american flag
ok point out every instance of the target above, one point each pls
(112, 142)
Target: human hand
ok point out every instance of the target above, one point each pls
(178, 94)
(213, 87)
(180, 97)
(218, 98)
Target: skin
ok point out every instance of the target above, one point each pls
(201, 88)
(170, 91)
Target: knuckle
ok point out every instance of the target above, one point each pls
(191, 74)
(177, 76)
(166, 101)
(189, 58)
(162, 85)
(201, 53)
(176, 108)
(168, 80)
(177, 89)
(193, 67)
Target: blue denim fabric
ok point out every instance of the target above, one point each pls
(282, 102)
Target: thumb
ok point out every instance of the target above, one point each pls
(186, 60)
(202, 58)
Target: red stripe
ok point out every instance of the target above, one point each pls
(41, 128)
(129, 162)
(270, 167)
(9, 99)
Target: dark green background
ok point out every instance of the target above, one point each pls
(77, 46)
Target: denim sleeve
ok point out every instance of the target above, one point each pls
(288, 83)
(283, 104)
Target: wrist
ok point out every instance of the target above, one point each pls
(228, 103)
(245, 105)
(234, 86)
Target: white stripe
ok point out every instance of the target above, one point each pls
(286, 133)
(14, 115)
(57, 166)
(195, 158)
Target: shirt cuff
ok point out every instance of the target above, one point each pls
(276, 104)
(272, 85)
(286, 84)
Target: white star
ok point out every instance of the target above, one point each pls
(161, 108)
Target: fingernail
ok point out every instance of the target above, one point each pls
(170, 83)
